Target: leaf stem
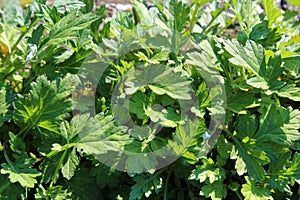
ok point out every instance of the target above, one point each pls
(13, 49)
(206, 29)
(193, 20)
(8, 160)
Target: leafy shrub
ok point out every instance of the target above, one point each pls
(171, 102)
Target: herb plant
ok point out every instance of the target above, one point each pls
(176, 101)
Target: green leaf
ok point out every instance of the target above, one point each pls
(68, 169)
(166, 117)
(68, 5)
(216, 190)
(201, 2)
(281, 130)
(101, 135)
(50, 167)
(294, 169)
(46, 104)
(173, 84)
(143, 13)
(280, 162)
(17, 145)
(290, 91)
(252, 57)
(180, 15)
(253, 158)
(261, 34)
(67, 28)
(239, 101)
(258, 82)
(250, 191)
(137, 162)
(137, 104)
(208, 171)
(7, 36)
(161, 80)
(20, 172)
(206, 61)
(246, 126)
(294, 2)
(272, 72)
(53, 193)
(9, 191)
(184, 137)
(249, 56)
(206, 64)
(104, 176)
(272, 11)
(62, 155)
(84, 186)
(145, 186)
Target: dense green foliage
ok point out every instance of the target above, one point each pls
(79, 88)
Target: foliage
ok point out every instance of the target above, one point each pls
(129, 106)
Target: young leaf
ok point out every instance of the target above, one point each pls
(250, 56)
(68, 169)
(7, 36)
(272, 11)
(45, 105)
(142, 13)
(67, 28)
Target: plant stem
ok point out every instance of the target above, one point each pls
(238, 195)
(193, 20)
(166, 183)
